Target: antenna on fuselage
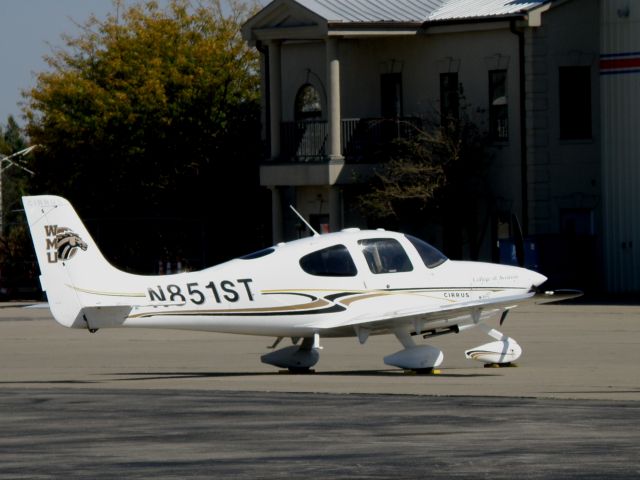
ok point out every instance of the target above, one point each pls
(315, 234)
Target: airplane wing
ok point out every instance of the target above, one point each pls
(383, 321)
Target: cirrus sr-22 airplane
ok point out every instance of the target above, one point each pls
(353, 283)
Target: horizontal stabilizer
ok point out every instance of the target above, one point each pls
(104, 317)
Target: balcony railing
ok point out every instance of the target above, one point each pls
(306, 141)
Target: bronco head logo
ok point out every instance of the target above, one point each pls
(62, 243)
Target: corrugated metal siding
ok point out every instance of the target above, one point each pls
(414, 10)
(620, 99)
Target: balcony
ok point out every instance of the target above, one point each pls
(304, 159)
(306, 141)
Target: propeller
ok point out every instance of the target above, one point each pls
(504, 316)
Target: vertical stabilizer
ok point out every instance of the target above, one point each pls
(74, 273)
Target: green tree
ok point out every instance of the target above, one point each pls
(435, 176)
(17, 269)
(15, 180)
(152, 112)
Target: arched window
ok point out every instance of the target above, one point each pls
(308, 104)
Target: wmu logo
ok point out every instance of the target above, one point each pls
(62, 243)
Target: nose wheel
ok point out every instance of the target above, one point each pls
(501, 353)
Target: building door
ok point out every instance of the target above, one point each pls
(391, 95)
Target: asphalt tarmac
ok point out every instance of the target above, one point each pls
(164, 404)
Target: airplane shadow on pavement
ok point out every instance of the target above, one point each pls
(141, 376)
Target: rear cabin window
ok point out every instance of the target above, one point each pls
(334, 261)
(431, 256)
(385, 255)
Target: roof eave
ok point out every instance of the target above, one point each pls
(469, 20)
(386, 29)
(375, 29)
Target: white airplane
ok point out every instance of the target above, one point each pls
(352, 283)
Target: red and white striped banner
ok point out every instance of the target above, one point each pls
(619, 63)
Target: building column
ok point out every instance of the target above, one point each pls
(275, 96)
(335, 209)
(334, 150)
(276, 215)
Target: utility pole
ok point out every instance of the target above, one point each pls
(6, 162)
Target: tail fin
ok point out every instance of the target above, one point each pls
(78, 280)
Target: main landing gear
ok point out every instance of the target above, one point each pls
(297, 359)
(425, 358)
(419, 358)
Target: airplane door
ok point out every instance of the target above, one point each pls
(388, 264)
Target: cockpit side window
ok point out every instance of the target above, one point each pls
(333, 261)
(385, 255)
(431, 256)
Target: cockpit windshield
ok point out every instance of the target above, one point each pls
(431, 256)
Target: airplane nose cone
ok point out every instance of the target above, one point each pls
(537, 279)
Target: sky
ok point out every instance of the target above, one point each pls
(28, 31)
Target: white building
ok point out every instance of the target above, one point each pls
(620, 139)
(554, 82)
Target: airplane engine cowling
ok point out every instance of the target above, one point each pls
(503, 351)
(416, 358)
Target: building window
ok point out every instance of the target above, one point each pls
(307, 105)
(449, 98)
(498, 105)
(576, 222)
(391, 95)
(575, 102)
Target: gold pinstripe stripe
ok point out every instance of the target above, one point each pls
(107, 294)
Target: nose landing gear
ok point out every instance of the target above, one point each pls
(501, 353)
